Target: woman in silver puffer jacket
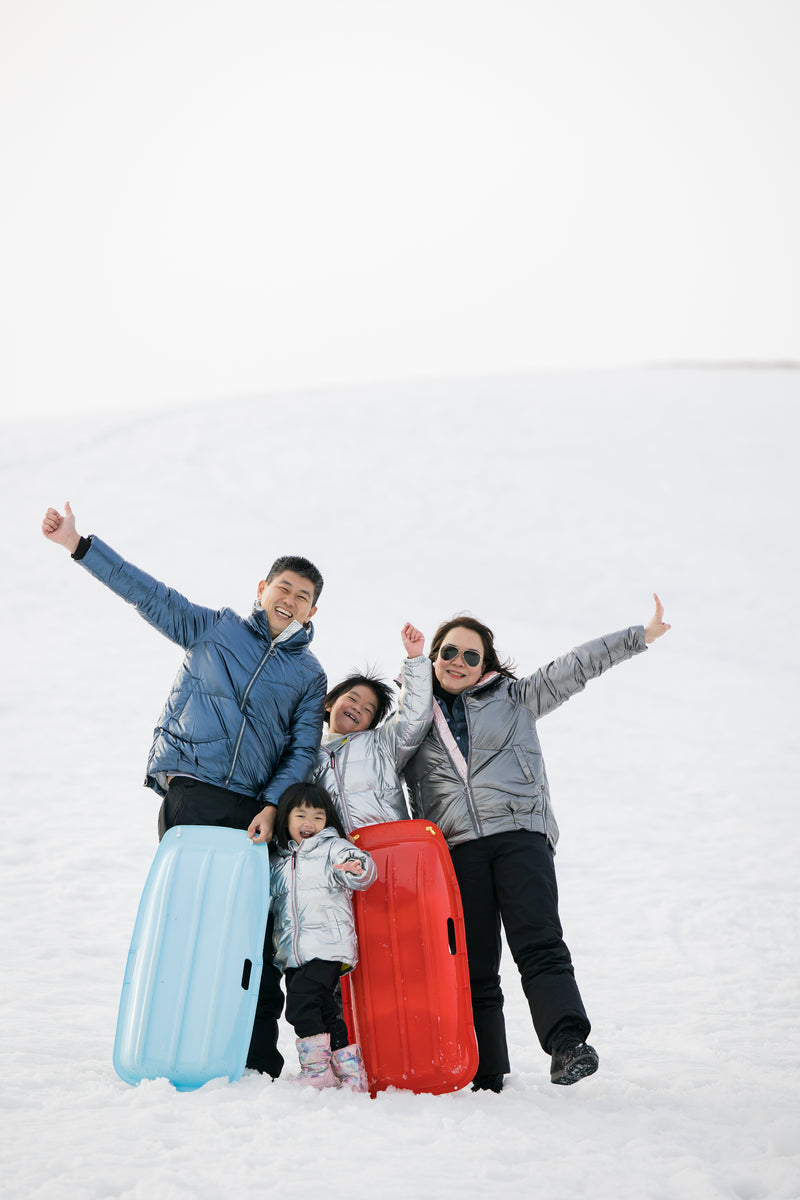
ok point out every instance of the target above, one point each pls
(479, 775)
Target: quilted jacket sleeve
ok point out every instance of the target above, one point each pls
(402, 735)
(162, 607)
(550, 686)
(346, 852)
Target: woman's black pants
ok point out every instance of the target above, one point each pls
(510, 877)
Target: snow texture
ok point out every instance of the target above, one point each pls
(551, 506)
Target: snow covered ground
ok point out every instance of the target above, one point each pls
(551, 506)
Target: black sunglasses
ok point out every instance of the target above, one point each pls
(470, 657)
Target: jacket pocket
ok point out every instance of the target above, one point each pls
(524, 764)
(526, 811)
(325, 933)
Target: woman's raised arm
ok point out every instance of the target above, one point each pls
(656, 627)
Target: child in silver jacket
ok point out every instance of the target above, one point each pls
(313, 870)
(362, 755)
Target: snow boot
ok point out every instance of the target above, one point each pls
(315, 1061)
(487, 1083)
(573, 1063)
(348, 1067)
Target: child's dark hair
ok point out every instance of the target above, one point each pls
(383, 694)
(304, 795)
(300, 566)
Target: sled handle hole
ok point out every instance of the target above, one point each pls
(451, 935)
(248, 966)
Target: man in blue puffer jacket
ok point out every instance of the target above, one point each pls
(243, 718)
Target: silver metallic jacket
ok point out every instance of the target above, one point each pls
(311, 899)
(503, 784)
(361, 771)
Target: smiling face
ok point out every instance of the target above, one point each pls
(455, 674)
(305, 822)
(288, 597)
(354, 711)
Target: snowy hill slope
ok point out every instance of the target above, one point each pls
(550, 506)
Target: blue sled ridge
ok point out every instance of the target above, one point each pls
(191, 982)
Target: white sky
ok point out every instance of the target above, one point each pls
(224, 197)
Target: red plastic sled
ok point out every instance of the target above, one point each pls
(408, 1003)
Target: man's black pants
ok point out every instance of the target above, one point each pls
(192, 802)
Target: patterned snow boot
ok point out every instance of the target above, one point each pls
(569, 1065)
(315, 1061)
(348, 1067)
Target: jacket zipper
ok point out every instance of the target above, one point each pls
(295, 924)
(242, 707)
(451, 749)
(471, 809)
(338, 775)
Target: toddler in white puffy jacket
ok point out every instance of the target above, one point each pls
(313, 870)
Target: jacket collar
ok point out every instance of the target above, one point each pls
(485, 681)
(335, 741)
(309, 845)
(295, 636)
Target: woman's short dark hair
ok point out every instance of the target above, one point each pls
(304, 795)
(490, 660)
(383, 694)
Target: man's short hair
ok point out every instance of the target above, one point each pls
(300, 566)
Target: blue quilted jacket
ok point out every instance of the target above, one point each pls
(244, 712)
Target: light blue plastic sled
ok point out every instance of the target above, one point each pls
(194, 966)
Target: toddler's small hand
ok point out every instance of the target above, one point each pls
(351, 866)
